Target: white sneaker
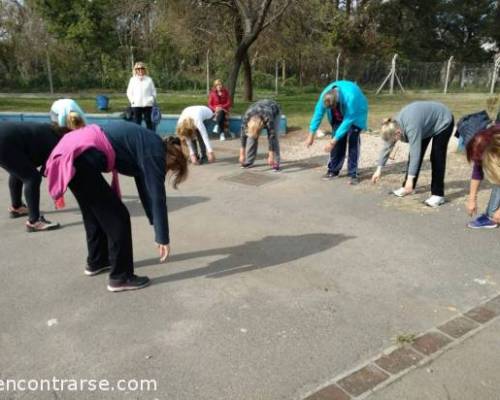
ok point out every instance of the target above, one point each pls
(434, 201)
(222, 137)
(401, 192)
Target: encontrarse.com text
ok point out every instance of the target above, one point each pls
(77, 385)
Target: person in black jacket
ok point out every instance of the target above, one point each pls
(147, 158)
(24, 147)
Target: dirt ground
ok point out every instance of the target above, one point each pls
(295, 154)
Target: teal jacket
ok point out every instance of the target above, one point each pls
(353, 106)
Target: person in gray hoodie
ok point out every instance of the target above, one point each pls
(418, 124)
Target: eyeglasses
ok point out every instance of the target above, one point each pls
(140, 68)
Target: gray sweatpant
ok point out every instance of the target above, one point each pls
(274, 144)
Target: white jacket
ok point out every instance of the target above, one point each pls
(141, 92)
(198, 114)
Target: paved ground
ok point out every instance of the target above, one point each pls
(271, 290)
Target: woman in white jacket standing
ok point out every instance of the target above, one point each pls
(141, 93)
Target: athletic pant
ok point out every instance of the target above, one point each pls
(438, 160)
(337, 155)
(494, 203)
(106, 221)
(274, 144)
(220, 119)
(139, 112)
(203, 149)
(22, 172)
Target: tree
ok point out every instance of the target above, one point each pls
(250, 18)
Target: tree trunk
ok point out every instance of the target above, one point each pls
(235, 69)
(247, 79)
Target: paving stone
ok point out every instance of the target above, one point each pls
(481, 314)
(494, 305)
(362, 380)
(430, 343)
(398, 360)
(458, 327)
(250, 178)
(332, 392)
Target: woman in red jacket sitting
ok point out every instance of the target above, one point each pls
(220, 103)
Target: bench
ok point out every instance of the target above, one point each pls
(165, 128)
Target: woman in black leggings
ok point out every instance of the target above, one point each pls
(130, 150)
(24, 147)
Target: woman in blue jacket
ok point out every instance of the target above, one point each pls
(347, 110)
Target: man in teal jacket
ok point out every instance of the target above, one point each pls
(347, 110)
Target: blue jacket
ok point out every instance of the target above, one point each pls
(353, 106)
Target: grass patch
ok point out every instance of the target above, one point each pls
(297, 107)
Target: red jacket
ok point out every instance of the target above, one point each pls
(223, 101)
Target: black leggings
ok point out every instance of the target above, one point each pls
(139, 112)
(22, 172)
(106, 221)
(438, 160)
(220, 118)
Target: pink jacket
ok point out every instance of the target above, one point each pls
(59, 168)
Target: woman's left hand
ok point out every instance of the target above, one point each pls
(164, 250)
(211, 157)
(409, 186)
(330, 145)
(496, 216)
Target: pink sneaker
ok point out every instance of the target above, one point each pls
(41, 225)
(18, 212)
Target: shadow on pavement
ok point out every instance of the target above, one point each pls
(257, 254)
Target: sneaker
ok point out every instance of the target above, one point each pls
(228, 135)
(246, 166)
(482, 222)
(41, 225)
(18, 212)
(276, 166)
(91, 271)
(401, 192)
(133, 283)
(222, 137)
(353, 180)
(204, 160)
(329, 176)
(434, 201)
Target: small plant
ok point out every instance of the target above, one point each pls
(405, 338)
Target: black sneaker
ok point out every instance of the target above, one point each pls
(91, 271)
(246, 166)
(329, 176)
(18, 212)
(132, 283)
(204, 160)
(41, 225)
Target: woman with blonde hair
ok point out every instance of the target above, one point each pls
(263, 114)
(141, 93)
(78, 161)
(191, 129)
(417, 124)
(220, 103)
(483, 151)
(66, 113)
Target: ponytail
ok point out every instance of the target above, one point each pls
(176, 159)
(74, 121)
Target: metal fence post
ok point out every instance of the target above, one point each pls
(276, 78)
(338, 65)
(448, 67)
(496, 68)
(208, 71)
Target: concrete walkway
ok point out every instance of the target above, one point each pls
(277, 283)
